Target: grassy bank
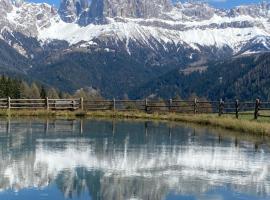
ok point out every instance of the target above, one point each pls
(37, 113)
(225, 122)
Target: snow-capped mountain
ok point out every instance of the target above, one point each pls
(151, 24)
(150, 32)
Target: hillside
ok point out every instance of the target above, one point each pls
(119, 46)
(243, 77)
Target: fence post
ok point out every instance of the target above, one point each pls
(237, 109)
(114, 105)
(145, 104)
(195, 106)
(81, 103)
(47, 103)
(73, 105)
(257, 108)
(9, 104)
(170, 105)
(220, 107)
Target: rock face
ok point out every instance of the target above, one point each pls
(25, 18)
(70, 10)
(5, 6)
(20, 23)
(101, 9)
(256, 10)
(196, 11)
(135, 8)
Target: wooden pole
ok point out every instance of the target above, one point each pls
(9, 104)
(81, 103)
(195, 106)
(257, 108)
(114, 107)
(220, 107)
(170, 104)
(73, 105)
(237, 109)
(146, 104)
(47, 103)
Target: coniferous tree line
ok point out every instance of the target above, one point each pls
(16, 88)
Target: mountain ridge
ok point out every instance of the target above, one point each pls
(157, 35)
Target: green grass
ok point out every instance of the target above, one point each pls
(244, 124)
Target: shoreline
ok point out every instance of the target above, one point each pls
(224, 122)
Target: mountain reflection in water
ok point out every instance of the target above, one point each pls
(128, 160)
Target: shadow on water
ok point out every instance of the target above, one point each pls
(110, 159)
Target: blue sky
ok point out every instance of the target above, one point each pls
(216, 3)
(231, 3)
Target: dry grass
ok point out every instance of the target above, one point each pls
(37, 113)
(225, 122)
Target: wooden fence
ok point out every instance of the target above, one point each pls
(49, 104)
(237, 108)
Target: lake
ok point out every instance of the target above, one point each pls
(115, 160)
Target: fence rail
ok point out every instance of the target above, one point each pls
(237, 108)
(49, 104)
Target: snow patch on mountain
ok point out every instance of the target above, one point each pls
(194, 24)
(131, 29)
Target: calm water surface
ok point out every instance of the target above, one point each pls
(115, 160)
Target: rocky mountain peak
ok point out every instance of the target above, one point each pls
(255, 10)
(70, 10)
(196, 10)
(23, 17)
(18, 3)
(101, 9)
(5, 6)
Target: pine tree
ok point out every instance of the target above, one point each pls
(4, 88)
(25, 90)
(53, 94)
(12, 88)
(66, 96)
(43, 92)
(61, 95)
(88, 94)
(35, 94)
